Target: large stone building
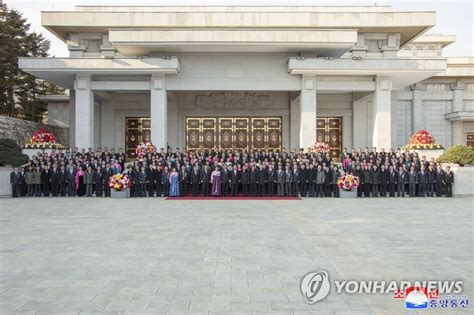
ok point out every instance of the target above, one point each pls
(255, 77)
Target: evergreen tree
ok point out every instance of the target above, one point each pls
(19, 90)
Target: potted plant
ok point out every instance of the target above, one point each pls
(348, 184)
(119, 185)
(458, 154)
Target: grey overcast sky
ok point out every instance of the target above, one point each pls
(454, 17)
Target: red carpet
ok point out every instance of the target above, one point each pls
(231, 198)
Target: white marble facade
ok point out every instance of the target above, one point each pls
(372, 66)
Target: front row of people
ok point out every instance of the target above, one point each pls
(228, 180)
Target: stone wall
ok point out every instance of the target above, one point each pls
(21, 130)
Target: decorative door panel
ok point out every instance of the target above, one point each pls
(329, 130)
(274, 139)
(258, 133)
(241, 133)
(226, 133)
(193, 133)
(209, 133)
(321, 130)
(470, 140)
(137, 129)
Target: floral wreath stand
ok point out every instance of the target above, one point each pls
(124, 193)
(347, 193)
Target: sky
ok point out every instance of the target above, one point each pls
(454, 17)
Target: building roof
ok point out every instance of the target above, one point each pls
(207, 21)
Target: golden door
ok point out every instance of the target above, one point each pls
(137, 129)
(329, 130)
(233, 133)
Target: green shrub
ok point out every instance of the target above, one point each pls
(459, 154)
(10, 153)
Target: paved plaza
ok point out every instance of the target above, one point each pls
(153, 256)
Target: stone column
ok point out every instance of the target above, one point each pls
(417, 108)
(84, 112)
(382, 133)
(294, 122)
(307, 112)
(458, 135)
(158, 111)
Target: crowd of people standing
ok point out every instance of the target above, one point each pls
(164, 173)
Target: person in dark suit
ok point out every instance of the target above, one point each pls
(327, 182)
(183, 181)
(449, 181)
(261, 181)
(205, 180)
(359, 173)
(98, 179)
(392, 181)
(383, 181)
(412, 182)
(311, 180)
(439, 181)
(107, 172)
(150, 180)
(135, 182)
(23, 186)
(270, 181)
(253, 181)
(54, 181)
(334, 178)
(234, 177)
(304, 180)
(402, 177)
(15, 182)
(288, 181)
(165, 181)
(295, 183)
(224, 180)
(430, 181)
(195, 181)
(46, 181)
(280, 179)
(71, 181)
(245, 181)
(62, 175)
(159, 169)
(366, 180)
(375, 180)
(422, 181)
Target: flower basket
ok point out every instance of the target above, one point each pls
(143, 148)
(348, 183)
(43, 139)
(119, 182)
(422, 140)
(320, 147)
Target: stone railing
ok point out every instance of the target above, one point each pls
(20, 130)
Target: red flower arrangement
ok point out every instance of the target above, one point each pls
(43, 139)
(320, 147)
(348, 182)
(119, 182)
(422, 140)
(143, 148)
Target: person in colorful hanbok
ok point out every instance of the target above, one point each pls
(174, 183)
(216, 182)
